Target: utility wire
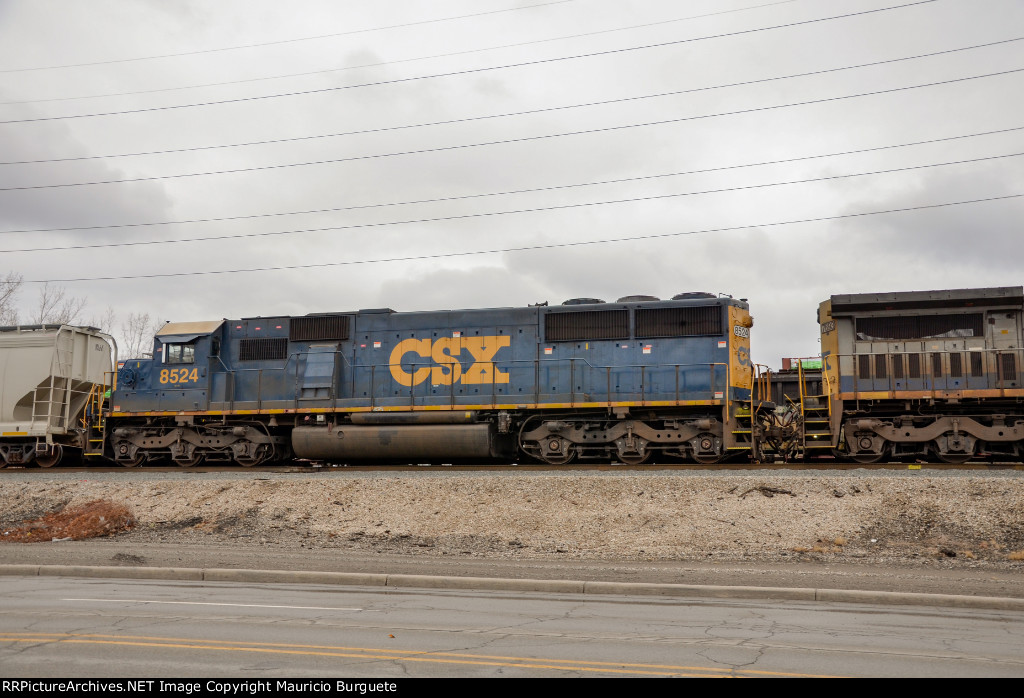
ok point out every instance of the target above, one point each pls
(401, 60)
(467, 71)
(514, 191)
(283, 41)
(525, 248)
(518, 113)
(560, 207)
(509, 140)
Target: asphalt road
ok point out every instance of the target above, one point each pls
(57, 627)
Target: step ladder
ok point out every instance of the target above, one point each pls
(94, 421)
(745, 431)
(816, 417)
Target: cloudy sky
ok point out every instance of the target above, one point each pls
(194, 159)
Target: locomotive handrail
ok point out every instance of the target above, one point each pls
(290, 372)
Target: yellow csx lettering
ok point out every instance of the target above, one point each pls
(445, 352)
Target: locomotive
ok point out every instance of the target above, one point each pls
(931, 375)
(586, 380)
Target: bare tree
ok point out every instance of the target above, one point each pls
(56, 307)
(137, 332)
(9, 287)
(105, 321)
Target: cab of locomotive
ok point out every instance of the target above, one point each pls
(177, 376)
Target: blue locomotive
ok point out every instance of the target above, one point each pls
(623, 381)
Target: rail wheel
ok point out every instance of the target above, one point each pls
(868, 448)
(707, 458)
(634, 458)
(255, 456)
(52, 458)
(954, 448)
(193, 460)
(128, 454)
(632, 450)
(706, 449)
(867, 458)
(557, 451)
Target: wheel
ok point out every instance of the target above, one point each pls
(557, 451)
(634, 458)
(247, 454)
(954, 458)
(128, 455)
(193, 460)
(707, 458)
(867, 458)
(52, 458)
(705, 449)
(249, 461)
(954, 449)
(632, 450)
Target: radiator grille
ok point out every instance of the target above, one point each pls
(914, 365)
(880, 366)
(318, 328)
(263, 349)
(920, 326)
(699, 321)
(585, 325)
(1007, 367)
(864, 366)
(897, 366)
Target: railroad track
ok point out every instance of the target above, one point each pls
(313, 468)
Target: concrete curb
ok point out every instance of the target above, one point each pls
(518, 585)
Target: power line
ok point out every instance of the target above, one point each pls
(466, 71)
(510, 140)
(518, 113)
(520, 191)
(525, 248)
(560, 207)
(283, 41)
(398, 61)
(516, 191)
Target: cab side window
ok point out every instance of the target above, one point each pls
(180, 353)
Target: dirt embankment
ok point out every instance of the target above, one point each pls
(723, 517)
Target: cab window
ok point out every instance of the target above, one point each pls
(180, 354)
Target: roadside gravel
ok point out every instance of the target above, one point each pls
(853, 517)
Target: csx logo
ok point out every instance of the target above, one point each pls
(445, 352)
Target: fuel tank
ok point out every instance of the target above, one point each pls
(410, 442)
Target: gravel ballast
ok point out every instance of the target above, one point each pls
(860, 518)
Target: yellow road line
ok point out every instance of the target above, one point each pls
(403, 655)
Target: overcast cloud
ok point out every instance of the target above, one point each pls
(723, 113)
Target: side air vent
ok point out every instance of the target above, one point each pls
(269, 349)
(698, 321)
(586, 325)
(899, 327)
(317, 328)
